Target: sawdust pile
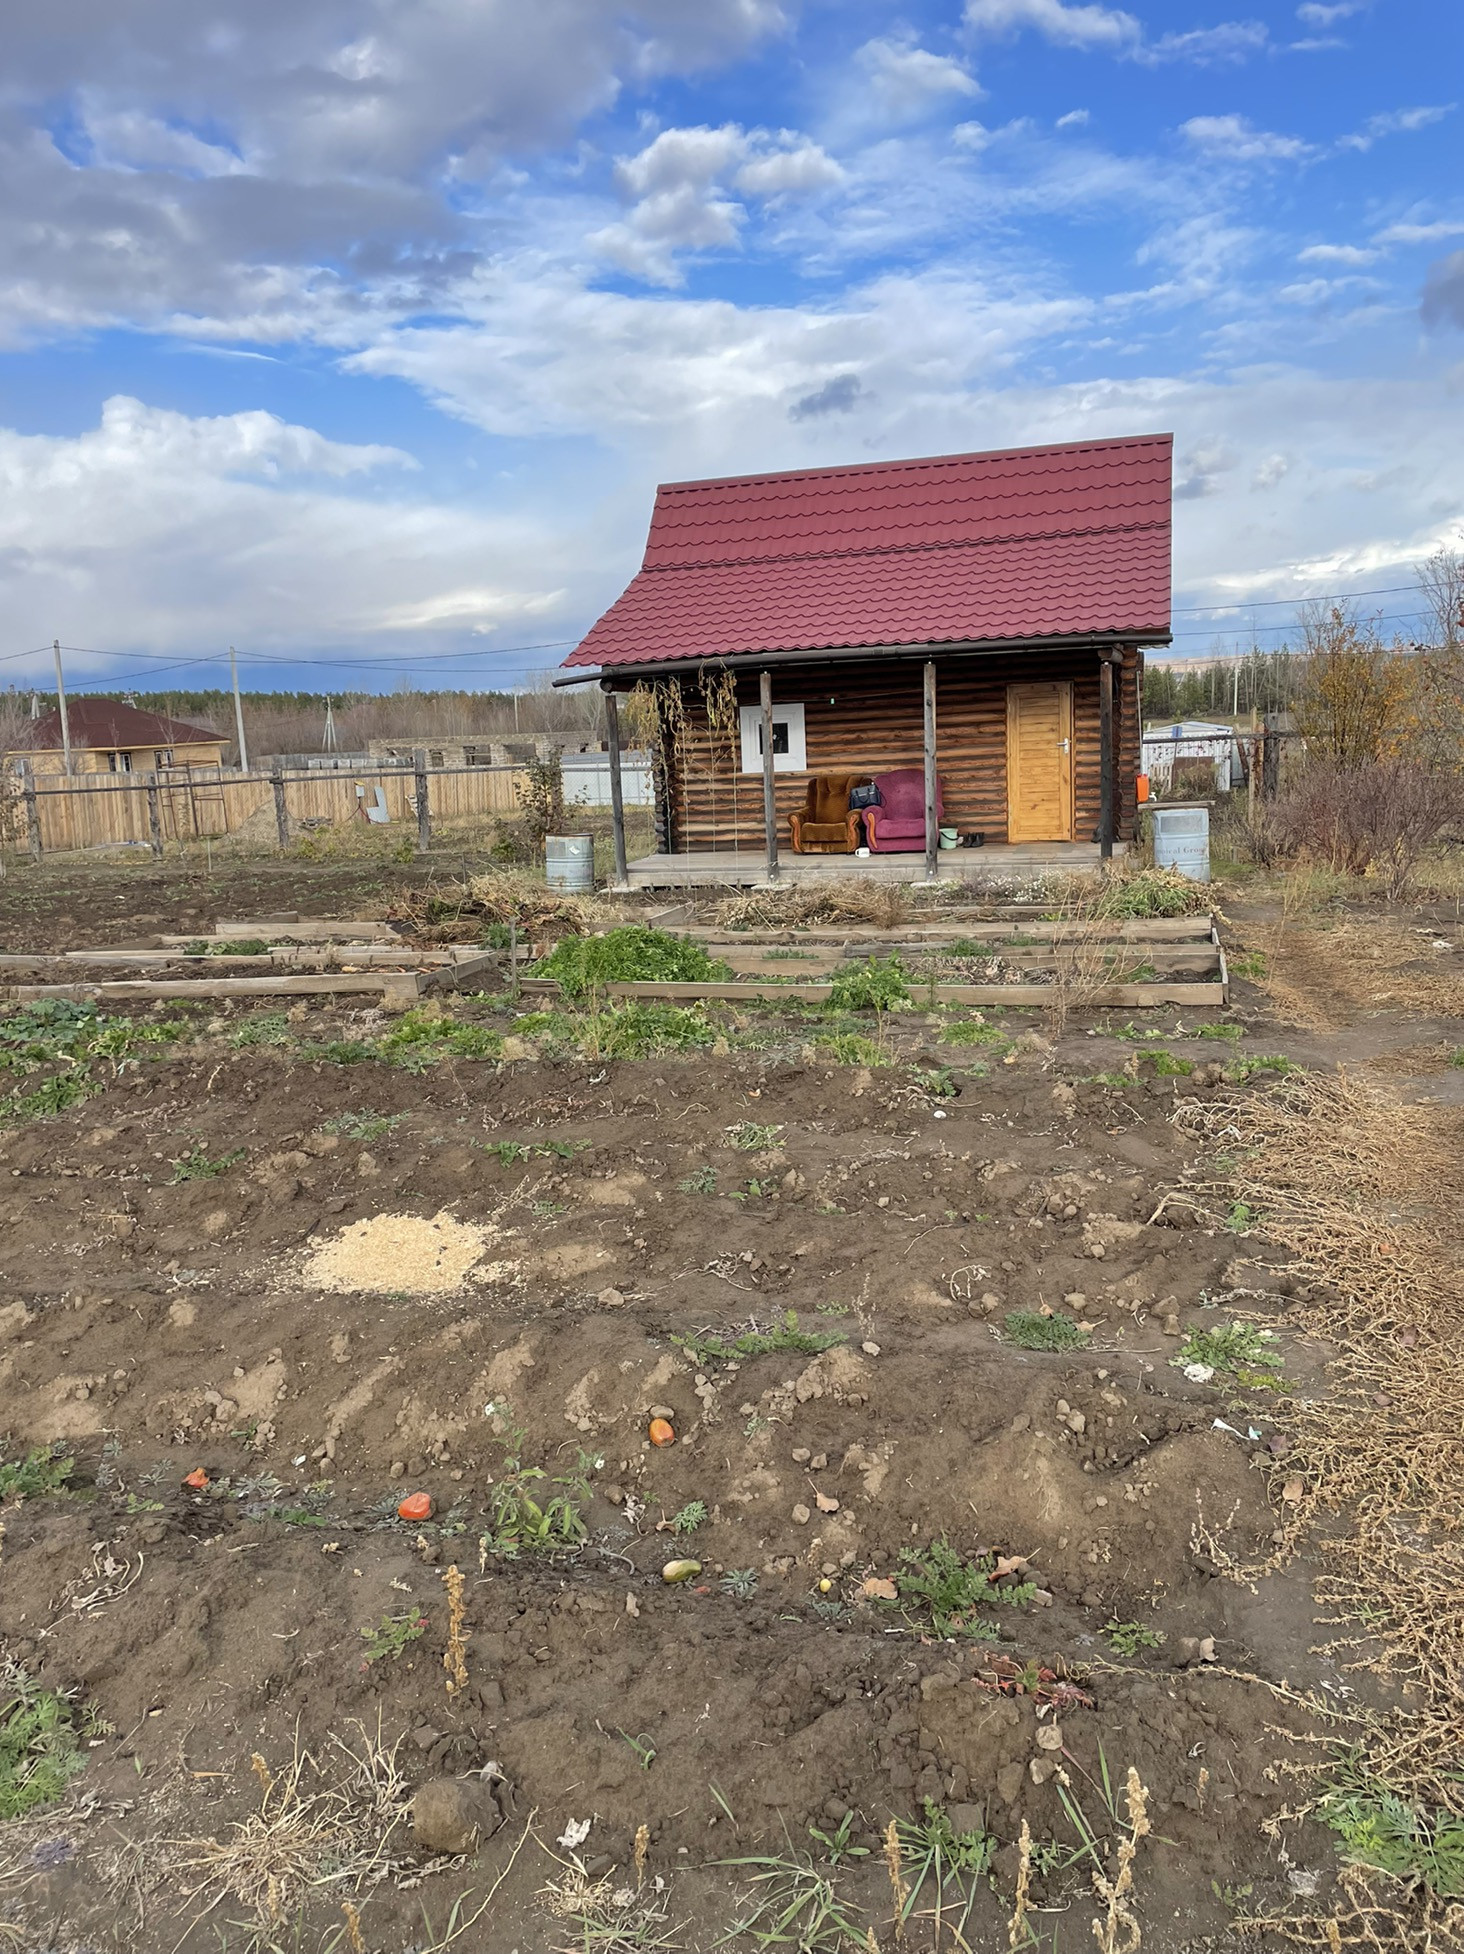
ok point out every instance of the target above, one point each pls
(398, 1252)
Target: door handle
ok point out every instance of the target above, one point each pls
(1064, 746)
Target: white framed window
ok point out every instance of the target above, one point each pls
(789, 752)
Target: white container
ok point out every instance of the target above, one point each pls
(569, 863)
(1182, 840)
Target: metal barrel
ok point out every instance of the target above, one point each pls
(1182, 840)
(569, 862)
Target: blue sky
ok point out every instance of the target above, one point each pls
(359, 334)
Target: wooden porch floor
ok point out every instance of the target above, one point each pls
(998, 862)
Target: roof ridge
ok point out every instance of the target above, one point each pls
(1091, 445)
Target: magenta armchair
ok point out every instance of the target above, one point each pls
(897, 826)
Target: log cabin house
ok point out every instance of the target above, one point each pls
(966, 632)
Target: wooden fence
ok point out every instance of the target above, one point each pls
(50, 813)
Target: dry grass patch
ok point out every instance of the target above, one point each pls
(1365, 1190)
(841, 899)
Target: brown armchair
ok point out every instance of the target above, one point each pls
(826, 824)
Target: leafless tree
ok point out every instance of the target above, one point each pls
(1441, 580)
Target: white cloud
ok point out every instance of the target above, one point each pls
(1395, 122)
(678, 187)
(1236, 140)
(1232, 40)
(1074, 119)
(789, 173)
(1081, 24)
(158, 528)
(131, 139)
(1412, 233)
(907, 81)
(1066, 25)
(1336, 254)
(1326, 13)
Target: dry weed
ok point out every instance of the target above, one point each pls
(450, 912)
(1118, 1932)
(841, 899)
(895, 1867)
(1327, 978)
(1364, 1189)
(455, 1659)
(1018, 1932)
(312, 1829)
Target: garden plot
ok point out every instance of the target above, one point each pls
(864, 1456)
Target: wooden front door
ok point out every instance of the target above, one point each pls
(1040, 762)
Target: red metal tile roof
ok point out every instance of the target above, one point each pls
(112, 724)
(1022, 545)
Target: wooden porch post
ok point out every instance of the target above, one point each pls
(770, 809)
(617, 801)
(1106, 772)
(932, 821)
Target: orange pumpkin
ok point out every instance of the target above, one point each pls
(416, 1506)
(662, 1432)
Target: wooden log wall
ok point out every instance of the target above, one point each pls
(868, 718)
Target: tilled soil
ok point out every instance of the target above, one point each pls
(159, 1328)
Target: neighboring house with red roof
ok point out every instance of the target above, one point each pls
(979, 618)
(109, 736)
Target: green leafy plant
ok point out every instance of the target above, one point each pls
(851, 1048)
(40, 1747)
(1031, 1330)
(638, 1029)
(792, 1904)
(1376, 1828)
(942, 1592)
(1250, 964)
(243, 946)
(1151, 892)
(1245, 1067)
(1168, 1065)
(1127, 1638)
(531, 1512)
(938, 1084)
(196, 1165)
(339, 1051)
(1233, 1032)
(1245, 1353)
(418, 1041)
(751, 1191)
(645, 1750)
(691, 1516)
(934, 1854)
(391, 1637)
(877, 984)
(973, 1031)
(707, 1348)
(838, 1845)
(701, 1180)
(631, 954)
(364, 1125)
(739, 1582)
(748, 1137)
(46, 1469)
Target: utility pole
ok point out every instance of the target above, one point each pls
(61, 704)
(238, 713)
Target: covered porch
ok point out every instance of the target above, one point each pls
(997, 864)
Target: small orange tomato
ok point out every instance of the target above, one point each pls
(198, 1478)
(662, 1432)
(416, 1506)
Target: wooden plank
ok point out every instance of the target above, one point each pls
(1158, 929)
(284, 958)
(454, 976)
(1135, 994)
(318, 930)
(315, 986)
